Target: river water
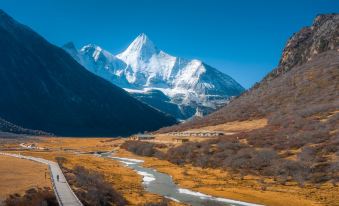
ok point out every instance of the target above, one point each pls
(162, 184)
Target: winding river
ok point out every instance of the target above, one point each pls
(162, 184)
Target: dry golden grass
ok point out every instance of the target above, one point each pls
(222, 184)
(169, 139)
(210, 181)
(19, 175)
(230, 127)
(79, 144)
(123, 179)
(237, 126)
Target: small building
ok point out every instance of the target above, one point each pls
(181, 140)
(203, 133)
(140, 137)
(32, 146)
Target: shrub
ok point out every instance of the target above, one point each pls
(163, 202)
(61, 160)
(33, 196)
(142, 148)
(94, 189)
(307, 154)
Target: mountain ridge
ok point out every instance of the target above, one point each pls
(308, 42)
(301, 48)
(298, 104)
(191, 85)
(44, 88)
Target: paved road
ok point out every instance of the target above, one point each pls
(62, 190)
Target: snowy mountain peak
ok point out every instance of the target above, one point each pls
(91, 47)
(141, 48)
(142, 42)
(97, 53)
(190, 86)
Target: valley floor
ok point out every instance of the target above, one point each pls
(79, 151)
(18, 175)
(219, 183)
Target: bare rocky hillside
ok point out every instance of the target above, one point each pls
(300, 100)
(306, 80)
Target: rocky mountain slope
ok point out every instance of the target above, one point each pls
(188, 87)
(299, 145)
(306, 79)
(43, 88)
(308, 43)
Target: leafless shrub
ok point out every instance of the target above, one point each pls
(163, 202)
(61, 160)
(143, 148)
(94, 189)
(33, 196)
(307, 154)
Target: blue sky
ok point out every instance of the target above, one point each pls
(241, 38)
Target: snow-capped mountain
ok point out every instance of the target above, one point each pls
(44, 88)
(188, 87)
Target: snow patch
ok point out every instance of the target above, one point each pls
(127, 163)
(172, 198)
(129, 159)
(190, 192)
(147, 177)
(218, 199)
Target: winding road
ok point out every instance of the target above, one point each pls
(62, 190)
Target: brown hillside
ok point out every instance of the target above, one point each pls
(305, 83)
(300, 100)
